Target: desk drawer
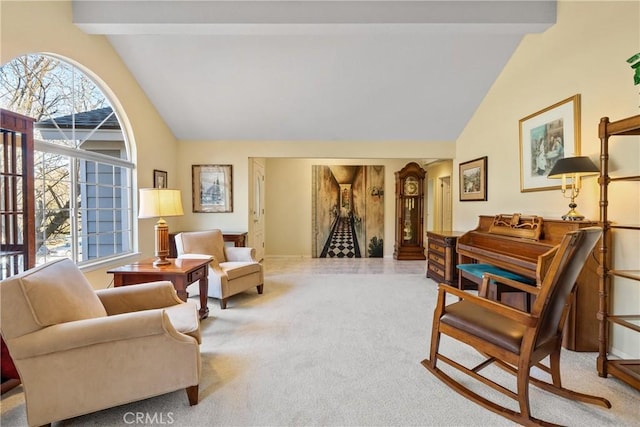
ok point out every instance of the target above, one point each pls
(436, 270)
(435, 257)
(436, 247)
(196, 275)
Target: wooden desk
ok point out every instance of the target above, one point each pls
(181, 272)
(238, 238)
(500, 240)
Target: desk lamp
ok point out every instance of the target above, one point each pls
(573, 168)
(159, 203)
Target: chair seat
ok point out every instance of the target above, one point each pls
(485, 324)
(478, 271)
(184, 317)
(235, 269)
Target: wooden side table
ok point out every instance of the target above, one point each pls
(181, 272)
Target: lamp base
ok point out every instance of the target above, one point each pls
(573, 214)
(162, 243)
(568, 217)
(161, 261)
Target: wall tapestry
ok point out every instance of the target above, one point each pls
(347, 211)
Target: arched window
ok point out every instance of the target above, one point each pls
(82, 173)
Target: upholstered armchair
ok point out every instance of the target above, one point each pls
(78, 350)
(232, 270)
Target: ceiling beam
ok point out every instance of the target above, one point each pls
(212, 16)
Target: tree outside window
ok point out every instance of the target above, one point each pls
(82, 171)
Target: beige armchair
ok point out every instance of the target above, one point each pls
(79, 351)
(232, 270)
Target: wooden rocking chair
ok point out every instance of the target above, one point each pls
(513, 339)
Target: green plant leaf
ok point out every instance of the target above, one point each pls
(634, 58)
(635, 64)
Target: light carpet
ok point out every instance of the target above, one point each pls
(326, 349)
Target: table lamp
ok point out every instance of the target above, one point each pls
(574, 168)
(159, 203)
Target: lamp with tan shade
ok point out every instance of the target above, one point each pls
(160, 203)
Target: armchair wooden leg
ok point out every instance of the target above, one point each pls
(260, 288)
(223, 303)
(192, 394)
(9, 385)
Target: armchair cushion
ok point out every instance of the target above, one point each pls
(66, 299)
(150, 296)
(185, 319)
(209, 242)
(239, 269)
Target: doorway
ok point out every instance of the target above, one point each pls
(256, 207)
(445, 203)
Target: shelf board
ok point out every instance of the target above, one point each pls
(625, 320)
(625, 178)
(625, 226)
(628, 274)
(628, 126)
(11, 253)
(625, 370)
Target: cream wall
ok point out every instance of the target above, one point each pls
(46, 27)
(288, 183)
(584, 53)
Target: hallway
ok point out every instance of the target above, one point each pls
(342, 243)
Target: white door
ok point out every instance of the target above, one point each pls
(445, 203)
(256, 208)
(430, 202)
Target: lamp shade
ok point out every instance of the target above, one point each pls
(581, 165)
(159, 202)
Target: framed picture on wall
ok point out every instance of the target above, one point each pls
(159, 179)
(546, 136)
(212, 188)
(473, 180)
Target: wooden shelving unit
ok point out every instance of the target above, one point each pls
(627, 370)
(17, 209)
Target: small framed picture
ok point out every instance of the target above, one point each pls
(473, 180)
(212, 188)
(159, 179)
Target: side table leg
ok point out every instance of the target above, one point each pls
(204, 290)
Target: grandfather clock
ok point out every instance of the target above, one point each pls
(409, 243)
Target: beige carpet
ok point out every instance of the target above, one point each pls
(321, 348)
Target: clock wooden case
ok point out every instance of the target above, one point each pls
(409, 244)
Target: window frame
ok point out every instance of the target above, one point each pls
(86, 178)
(76, 157)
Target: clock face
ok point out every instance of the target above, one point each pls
(410, 188)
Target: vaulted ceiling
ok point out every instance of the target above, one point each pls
(315, 70)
